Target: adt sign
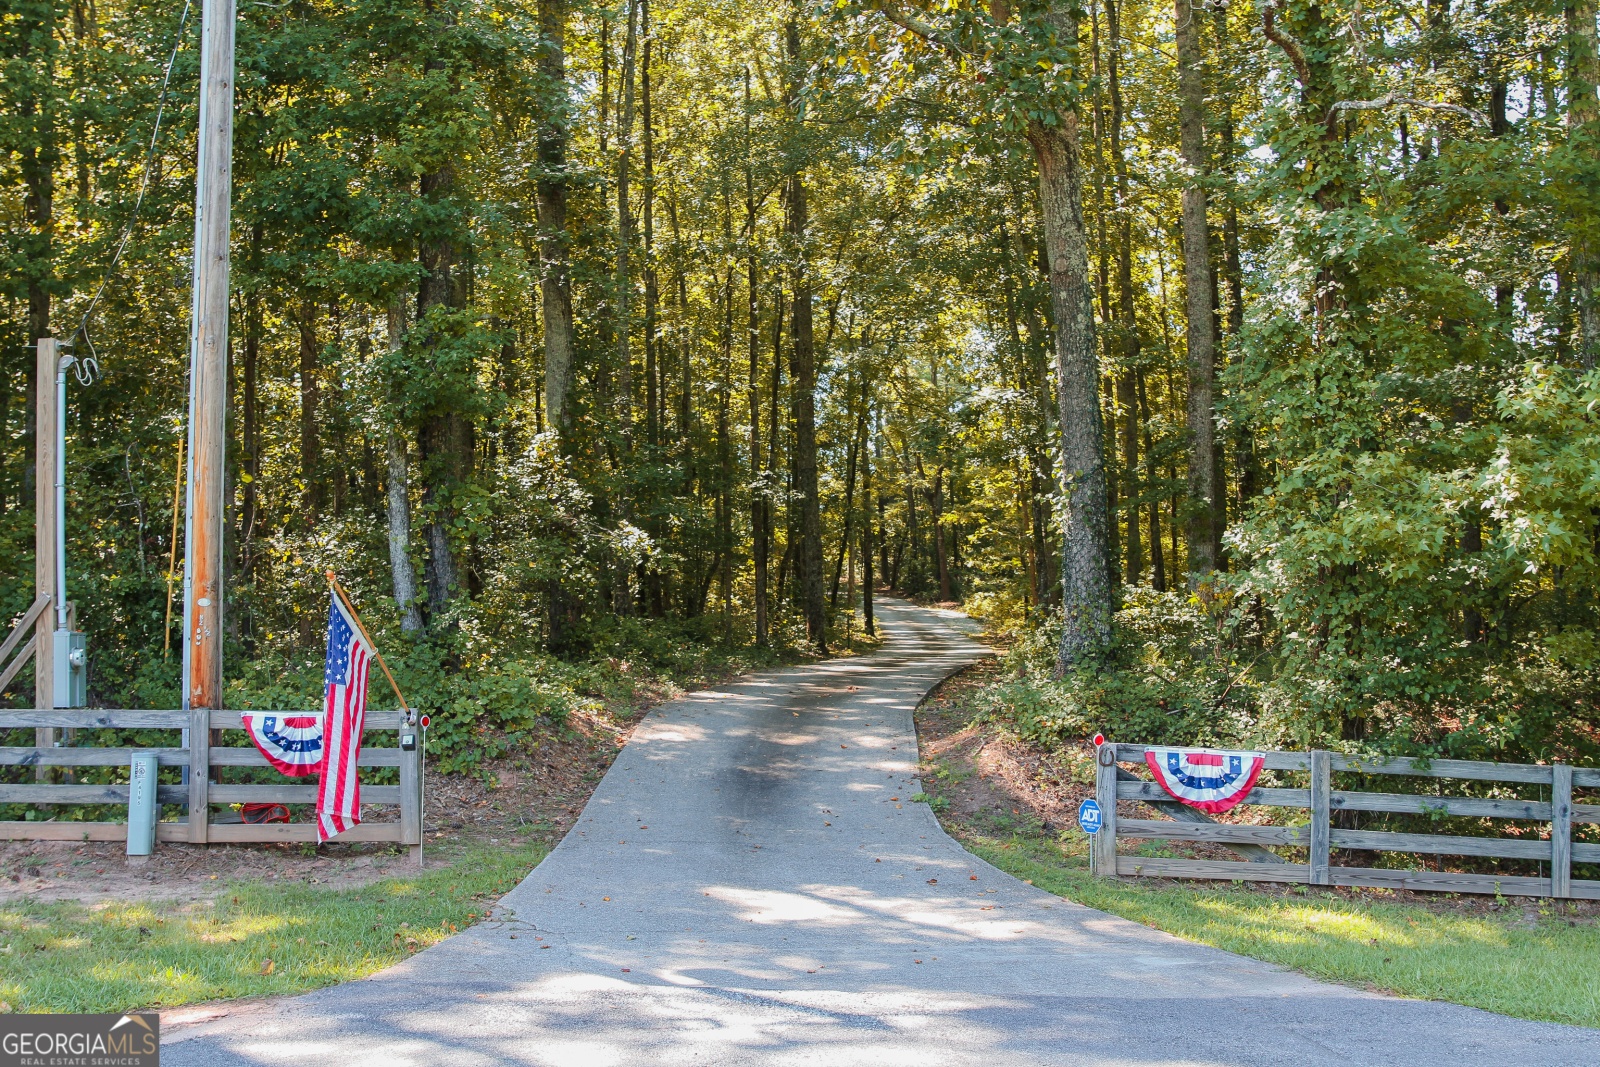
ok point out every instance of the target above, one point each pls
(1089, 816)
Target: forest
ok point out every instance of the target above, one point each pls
(1235, 361)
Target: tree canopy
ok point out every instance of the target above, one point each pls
(1239, 359)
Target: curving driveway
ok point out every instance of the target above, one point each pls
(751, 884)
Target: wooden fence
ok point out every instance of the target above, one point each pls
(1320, 837)
(200, 793)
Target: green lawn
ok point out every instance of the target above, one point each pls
(1548, 969)
(254, 940)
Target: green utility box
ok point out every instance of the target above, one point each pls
(143, 810)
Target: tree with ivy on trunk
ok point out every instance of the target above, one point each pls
(1021, 65)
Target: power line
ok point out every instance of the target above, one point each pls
(88, 372)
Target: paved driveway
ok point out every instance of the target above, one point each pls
(751, 885)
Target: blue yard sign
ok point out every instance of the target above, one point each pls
(1089, 816)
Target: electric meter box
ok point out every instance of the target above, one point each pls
(71, 669)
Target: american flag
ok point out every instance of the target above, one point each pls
(339, 793)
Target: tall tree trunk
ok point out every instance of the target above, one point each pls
(1097, 162)
(624, 278)
(444, 438)
(1127, 309)
(1583, 120)
(445, 445)
(1245, 464)
(760, 512)
(1158, 563)
(398, 501)
(803, 366)
(310, 425)
(680, 340)
(1128, 406)
(1086, 576)
(857, 436)
(555, 282)
(724, 434)
(38, 156)
(652, 381)
(867, 537)
(1200, 303)
(251, 412)
(941, 554)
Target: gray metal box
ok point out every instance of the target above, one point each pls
(71, 660)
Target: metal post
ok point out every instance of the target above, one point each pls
(60, 480)
(411, 785)
(143, 807)
(208, 397)
(44, 518)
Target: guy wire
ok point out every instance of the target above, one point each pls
(144, 183)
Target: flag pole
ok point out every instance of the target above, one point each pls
(345, 598)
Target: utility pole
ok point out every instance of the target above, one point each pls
(208, 398)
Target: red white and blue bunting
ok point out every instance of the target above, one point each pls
(291, 743)
(1205, 778)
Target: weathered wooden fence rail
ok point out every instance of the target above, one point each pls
(201, 792)
(1320, 837)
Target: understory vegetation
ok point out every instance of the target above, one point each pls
(1239, 360)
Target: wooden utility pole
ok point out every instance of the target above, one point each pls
(1205, 487)
(208, 397)
(44, 567)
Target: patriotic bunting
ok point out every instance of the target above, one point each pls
(291, 743)
(1205, 778)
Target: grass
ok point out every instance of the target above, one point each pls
(1547, 970)
(253, 940)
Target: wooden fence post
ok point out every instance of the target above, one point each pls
(411, 789)
(1321, 813)
(44, 532)
(1103, 845)
(1561, 830)
(199, 774)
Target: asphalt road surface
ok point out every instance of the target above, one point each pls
(751, 884)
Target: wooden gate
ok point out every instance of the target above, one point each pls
(1319, 837)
